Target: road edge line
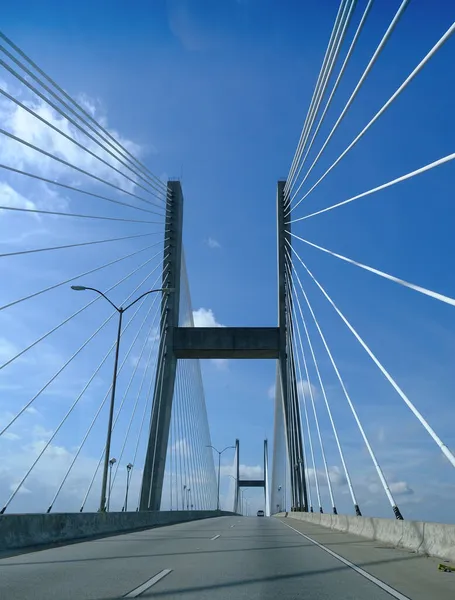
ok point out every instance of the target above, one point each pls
(381, 584)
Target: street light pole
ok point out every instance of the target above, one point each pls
(219, 470)
(120, 310)
(129, 466)
(111, 464)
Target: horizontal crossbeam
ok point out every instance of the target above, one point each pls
(226, 342)
(252, 483)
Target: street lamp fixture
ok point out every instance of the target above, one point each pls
(120, 310)
(219, 469)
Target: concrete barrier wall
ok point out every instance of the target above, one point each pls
(433, 539)
(21, 531)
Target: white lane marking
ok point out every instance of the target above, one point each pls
(232, 526)
(148, 584)
(215, 537)
(372, 578)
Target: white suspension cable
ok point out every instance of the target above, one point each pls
(96, 299)
(72, 357)
(65, 214)
(315, 93)
(144, 376)
(297, 416)
(117, 147)
(310, 442)
(158, 399)
(75, 189)
(177, 405)
(198, 432)
(148, 403)
(56, 285)
(334, 89)
(343, 29)
(66, 246)
(138, 396)
(310, 391)
(191, 436)
(76, 168)
(411, 286)
(329, 410)
(316, 366)
(202, 433)
(379, 471)
(428, 167)
(373, 59)
(185, 435)
(47, 384)
(207, 455)
(68, 137)
(113, 427)
(64, 419)
(195, 438)
(444, 449)
(392, 98)
(87, 433)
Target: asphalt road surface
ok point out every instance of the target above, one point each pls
(225, 558)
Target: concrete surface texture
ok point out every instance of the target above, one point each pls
(20, 531)
(226, 342)
(249, 558)
(433, 539)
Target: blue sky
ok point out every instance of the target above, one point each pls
(215, 93)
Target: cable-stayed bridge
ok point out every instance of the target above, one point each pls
(115, 372)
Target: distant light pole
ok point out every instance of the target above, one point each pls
(219, 469)
(129, 466)
(188, 492)
(120, 310)
(243, 502)
(111, 464)
(183, 497)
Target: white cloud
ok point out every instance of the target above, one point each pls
(25, 126)
(213, 243)
(251, 471)
(7, 350)
(10, 197)
(12, 437)
(271, 391)
(401, 488)
(303, 388)
(181, 448)
(204, 317)
(337, 476)
(22, 489)
(227, 470)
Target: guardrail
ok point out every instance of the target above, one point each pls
(21, 531)
(432, 539)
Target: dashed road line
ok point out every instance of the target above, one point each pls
(148, 584)
(215, 537)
